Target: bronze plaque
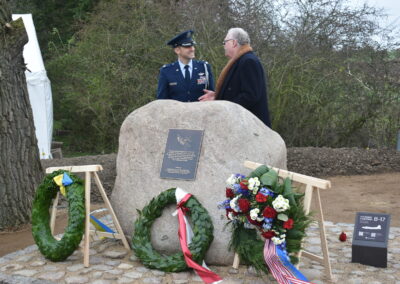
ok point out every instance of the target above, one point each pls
(182, 154)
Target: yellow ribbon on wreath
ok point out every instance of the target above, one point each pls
(59, 181)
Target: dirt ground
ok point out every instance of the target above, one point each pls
(362, 180)
(365, 193)
(21, 238)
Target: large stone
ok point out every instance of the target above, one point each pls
(231, 135)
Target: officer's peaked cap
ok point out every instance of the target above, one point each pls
(182, 39)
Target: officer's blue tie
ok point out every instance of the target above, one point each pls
(187, 75)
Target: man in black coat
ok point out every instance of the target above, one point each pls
(242, 80)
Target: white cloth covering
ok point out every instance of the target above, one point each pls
(39, 88)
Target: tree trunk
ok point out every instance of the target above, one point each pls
(20, 168)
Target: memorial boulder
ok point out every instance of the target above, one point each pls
(230, 135)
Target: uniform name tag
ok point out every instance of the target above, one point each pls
(201, 80)
(173, 83)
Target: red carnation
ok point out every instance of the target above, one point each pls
(268, 234)
(244, 205)
(288, 224)
(269, 212)
(229, 193)
(343, 237)
(261, 198)
(243, 184)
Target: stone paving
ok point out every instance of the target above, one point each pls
(111, 263)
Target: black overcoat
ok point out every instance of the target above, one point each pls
(245, 85)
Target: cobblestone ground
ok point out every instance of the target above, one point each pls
(111, 263)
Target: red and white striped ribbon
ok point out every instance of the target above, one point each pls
(278, 270)
(184, 234)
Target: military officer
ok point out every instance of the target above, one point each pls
(185, 79)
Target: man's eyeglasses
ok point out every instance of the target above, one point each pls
(225, 41)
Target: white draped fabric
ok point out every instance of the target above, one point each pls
(39, 89)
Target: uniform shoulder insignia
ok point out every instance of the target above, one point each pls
(167, 65)
(202, 61)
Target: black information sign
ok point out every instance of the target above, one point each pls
(181, 154)
(370, 237)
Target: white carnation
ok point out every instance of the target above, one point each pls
(234, 204)
(280, 204)
(277, 240)
(254, 213)
(231, 180)
(254, 183)
(255, 190)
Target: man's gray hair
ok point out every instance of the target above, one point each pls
(240, 35)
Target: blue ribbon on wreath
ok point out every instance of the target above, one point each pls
(286, 262)
(278, 263)
(62, 181)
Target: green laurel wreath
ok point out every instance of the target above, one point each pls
(141, 240)
(50, 247)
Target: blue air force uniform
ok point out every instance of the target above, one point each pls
(172, 84)
(184, 83)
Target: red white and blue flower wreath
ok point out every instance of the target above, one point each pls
(263, 206)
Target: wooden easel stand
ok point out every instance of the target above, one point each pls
(312, 185)
(89, 170)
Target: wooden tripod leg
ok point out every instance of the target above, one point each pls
(54, 213)
(236, 261)
(307, 205)
(87, 221)
(324, 244)
(110, 209)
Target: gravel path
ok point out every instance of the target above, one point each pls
(111, 263)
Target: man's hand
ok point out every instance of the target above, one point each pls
(208, 96)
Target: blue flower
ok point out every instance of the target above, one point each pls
(268, 220)
(236, 187)
(266, 191)
(224, 204)
(239, 176)
(267, 226)
(244, 192)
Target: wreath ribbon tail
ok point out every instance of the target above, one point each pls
(59, 181)
(185, 236)
(283, 271)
